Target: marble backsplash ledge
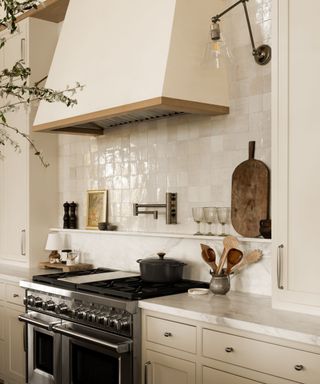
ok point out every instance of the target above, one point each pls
(121, 251)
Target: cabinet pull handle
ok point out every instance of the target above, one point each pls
(146, 365)
(23, 242)
(298, 367)
(23, 49)
(15, 295)
(167, 334)
(229, 349)
(279, 266)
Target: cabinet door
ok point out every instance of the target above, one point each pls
(15, 363)
(2, 338)
(296, 156)
(13, 192)
(16, 47)
(164, 369)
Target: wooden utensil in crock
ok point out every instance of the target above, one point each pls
(234, 256)
(229, 242)
(209, 256)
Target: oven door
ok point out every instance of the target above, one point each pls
(43, 349)
(94, 356)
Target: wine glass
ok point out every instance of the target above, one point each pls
(210, 215)
(197, 214)
(223, 215)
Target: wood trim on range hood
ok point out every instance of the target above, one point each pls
(49, 10)
(156, 108)
(138, 61)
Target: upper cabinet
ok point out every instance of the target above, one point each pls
(137, 61)
(28, 191)
(296, 158)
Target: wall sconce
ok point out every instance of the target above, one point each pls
(261, 54)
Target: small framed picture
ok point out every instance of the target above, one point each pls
(97, 208)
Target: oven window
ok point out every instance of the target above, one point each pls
(43, 352)
(90, 366)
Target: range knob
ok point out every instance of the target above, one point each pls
(123, 324)
(92, 317)
(49, 305)
(100, 318)
(61, 308)
(114, 321)
(103, 319)
(81, 315)
(37, 302)
(29, 300)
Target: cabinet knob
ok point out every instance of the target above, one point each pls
(229, 349)
(298, 367)
(167, 334)
(15, 295)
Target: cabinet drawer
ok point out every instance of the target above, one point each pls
(269, 358)
(172, 334)
(210, 375)
(14, 294)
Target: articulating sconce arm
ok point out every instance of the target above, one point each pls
(262, 54)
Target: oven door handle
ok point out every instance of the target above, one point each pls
(122, 347)
(29, 319)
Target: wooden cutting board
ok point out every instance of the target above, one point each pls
(64, 267)
(250, 195)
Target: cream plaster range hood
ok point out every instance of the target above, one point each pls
(138, 59)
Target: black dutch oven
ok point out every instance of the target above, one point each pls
(161, 270)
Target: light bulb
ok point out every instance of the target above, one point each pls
(216, 50)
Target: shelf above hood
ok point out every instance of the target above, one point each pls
(138, 61)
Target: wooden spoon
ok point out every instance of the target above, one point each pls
(234, 256)
(229, 242)
(209, 256)
(251, 257)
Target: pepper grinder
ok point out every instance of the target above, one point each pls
(73, 217)
(66, 216)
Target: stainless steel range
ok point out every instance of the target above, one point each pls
(84, 327)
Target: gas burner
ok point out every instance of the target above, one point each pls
(134, 288)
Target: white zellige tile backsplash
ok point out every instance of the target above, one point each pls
(193, 156)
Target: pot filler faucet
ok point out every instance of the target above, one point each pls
(170, 206)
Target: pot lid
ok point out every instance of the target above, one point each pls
(161, 260)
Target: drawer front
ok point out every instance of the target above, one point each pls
(210, 375)
(14, 294)
(269, 358)
(171, 334)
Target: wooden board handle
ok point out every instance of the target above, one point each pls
(252, 145)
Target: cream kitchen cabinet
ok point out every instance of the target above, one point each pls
(2, 331)
(296, 160)
(28, 194)
(12, 356)
(178, 350)
(166, 369)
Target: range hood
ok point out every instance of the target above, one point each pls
(138, 60)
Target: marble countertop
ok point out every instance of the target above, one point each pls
(17, 273)
(240, 311)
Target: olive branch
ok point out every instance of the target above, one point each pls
(15, 95)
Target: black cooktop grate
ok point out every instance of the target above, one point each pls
(131, 288)
(134, 288)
